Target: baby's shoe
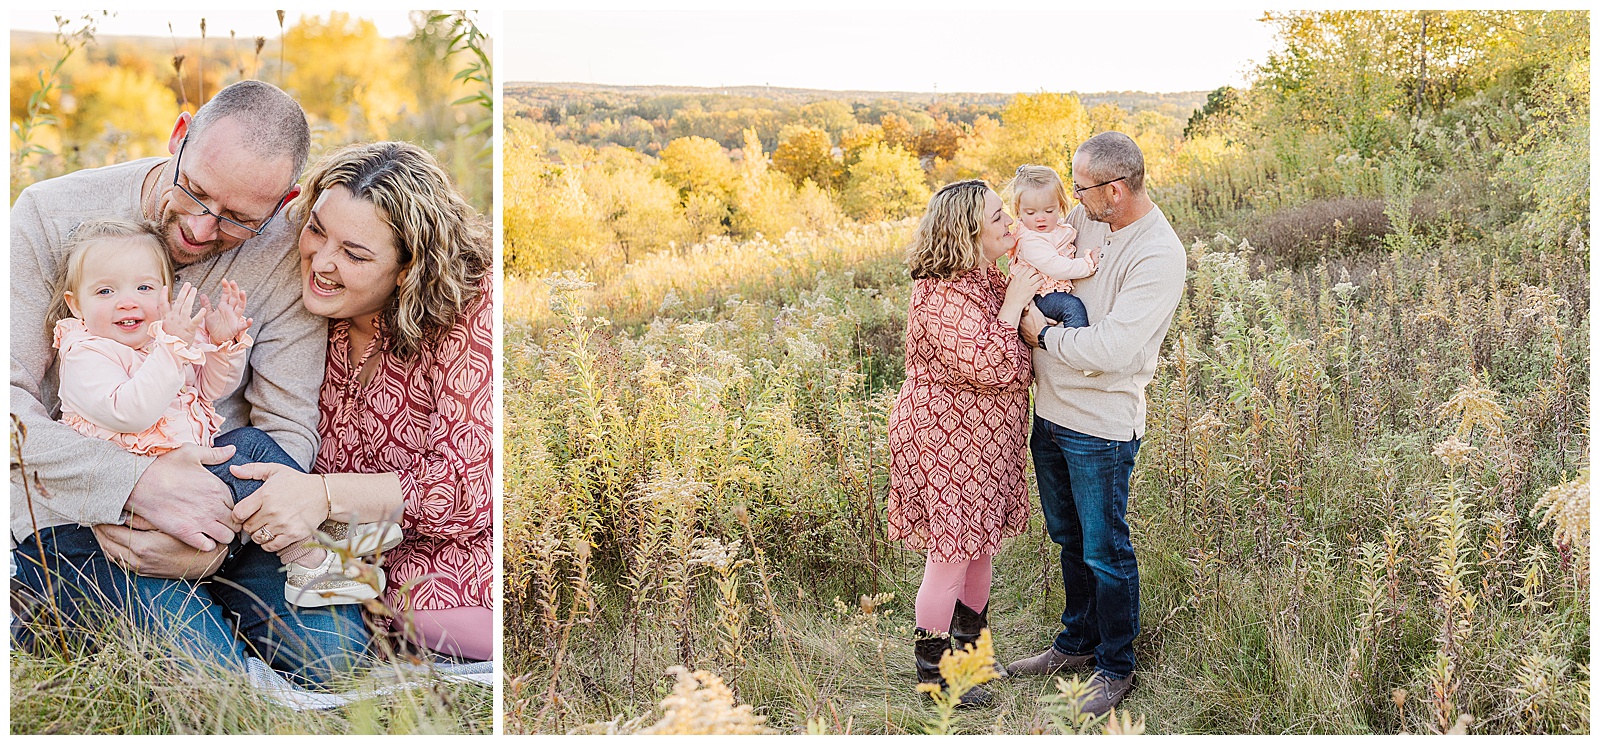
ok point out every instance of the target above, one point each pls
(334, 582)
(362, 539)
(329, 583)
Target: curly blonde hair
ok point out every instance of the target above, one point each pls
(445, 245)
(75, 253)
(946, 244)
(1029, 178)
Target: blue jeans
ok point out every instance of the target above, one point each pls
(1083, 491)
(216, 620)
(1064, 307)
(250, 445)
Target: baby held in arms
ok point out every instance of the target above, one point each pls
(1039, 200)
(141, 370)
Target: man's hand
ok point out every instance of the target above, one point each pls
(179, 497)
(1032, 322)
(142, 550)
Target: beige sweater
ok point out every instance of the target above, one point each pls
(1130, 302)
(88, 480)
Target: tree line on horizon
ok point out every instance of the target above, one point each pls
(1351, 114)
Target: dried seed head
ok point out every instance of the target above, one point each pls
(1453, 451)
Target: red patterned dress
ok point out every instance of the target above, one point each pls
(959, 429)
(430, 420)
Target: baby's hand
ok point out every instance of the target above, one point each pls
(226, 321)
(175, 315)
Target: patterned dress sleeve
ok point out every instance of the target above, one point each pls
(447, 491)
(973, 346)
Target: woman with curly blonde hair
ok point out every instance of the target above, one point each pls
(400, 265)
(958, 429)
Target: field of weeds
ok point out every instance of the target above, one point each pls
(1358, 508)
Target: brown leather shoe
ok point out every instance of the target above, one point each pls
(1107, 692)
(1050, 662)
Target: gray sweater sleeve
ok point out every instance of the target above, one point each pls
(85, 480)
(286, 363)
(1145, 301)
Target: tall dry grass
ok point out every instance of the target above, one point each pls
(1338, 498)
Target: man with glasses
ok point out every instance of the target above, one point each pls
(103, 527)
(1086, 429)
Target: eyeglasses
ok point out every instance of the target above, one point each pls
(1078, 191)
(229, 227)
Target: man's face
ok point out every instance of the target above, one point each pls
(219, 169)
(1098, 204)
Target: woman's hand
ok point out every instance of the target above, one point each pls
(1024, 285)
(175, 315)
(142, 549)
(288, 507)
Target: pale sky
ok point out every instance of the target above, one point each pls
(931, 46)
(248, 24)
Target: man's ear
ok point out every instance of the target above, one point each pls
(294, 191)
(72, 303)
(180, 130)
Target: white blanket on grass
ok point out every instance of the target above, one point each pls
(280, 690)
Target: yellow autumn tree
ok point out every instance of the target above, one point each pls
(697, 165)
(806, 154)
(885, 184)
(1041, 129)
(345, 74)
(121, 113)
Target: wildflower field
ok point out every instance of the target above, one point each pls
(1359, 478)
(1361, 506)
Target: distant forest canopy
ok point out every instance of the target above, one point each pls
(1361, 130)
(593, 114)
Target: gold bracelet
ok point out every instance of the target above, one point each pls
(327, 494)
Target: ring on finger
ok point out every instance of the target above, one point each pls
(262, 536)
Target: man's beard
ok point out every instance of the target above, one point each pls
(178, 251)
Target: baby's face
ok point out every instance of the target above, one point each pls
(1039, 209)
(120, 293)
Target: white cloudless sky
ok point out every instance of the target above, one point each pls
(971, 46)
(248, 24)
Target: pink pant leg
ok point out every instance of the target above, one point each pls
(466, 632)
(936, 598)
(975, 589)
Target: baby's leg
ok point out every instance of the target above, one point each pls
(1064, 307)
(252, 445)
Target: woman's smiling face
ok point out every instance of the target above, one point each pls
(349, 263)
(996, 237)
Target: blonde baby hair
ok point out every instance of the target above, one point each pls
(1031, 177)
(76, 251)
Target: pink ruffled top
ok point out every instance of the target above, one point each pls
(149, 400)
(1055, 256)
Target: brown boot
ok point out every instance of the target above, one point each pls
(966, 625)
(1050, 662)
(1107, 692)
(931, 647)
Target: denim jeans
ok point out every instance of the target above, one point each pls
(216, 620)
(1064, 307)
(250, 445)
(1083, 491)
